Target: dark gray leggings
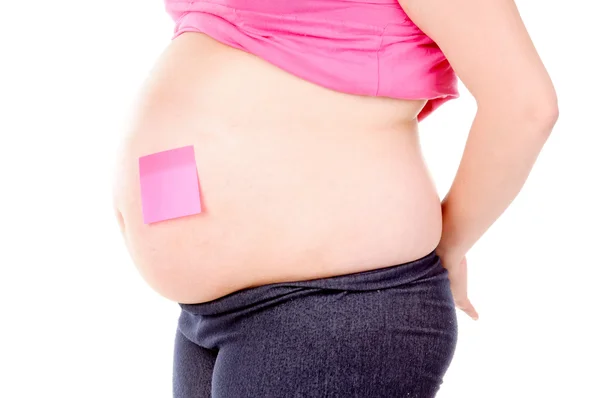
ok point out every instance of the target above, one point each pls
(389, 332)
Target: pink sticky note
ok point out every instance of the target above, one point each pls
(169, 184)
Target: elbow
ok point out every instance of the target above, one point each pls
(533, 114)
(541, 114)
(538, 108)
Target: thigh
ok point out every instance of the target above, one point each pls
(390, 343)
(192, 369)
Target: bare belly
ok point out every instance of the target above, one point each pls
(298, 182)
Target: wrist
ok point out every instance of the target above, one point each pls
(451, 247)
(450, 254)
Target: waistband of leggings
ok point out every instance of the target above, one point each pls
(380, 278)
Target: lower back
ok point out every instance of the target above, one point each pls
(297, 181)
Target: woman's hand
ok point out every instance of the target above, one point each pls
(516, 111)
(457, 273)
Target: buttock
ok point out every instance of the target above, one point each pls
(389, 332)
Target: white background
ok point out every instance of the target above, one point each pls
(78, 321)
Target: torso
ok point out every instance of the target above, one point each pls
(298, 181)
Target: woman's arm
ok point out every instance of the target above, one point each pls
(491, 51)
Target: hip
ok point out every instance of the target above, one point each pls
(377, 326)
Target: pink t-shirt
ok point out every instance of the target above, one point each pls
(363, 47)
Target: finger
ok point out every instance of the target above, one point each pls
(469, 309)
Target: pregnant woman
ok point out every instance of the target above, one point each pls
(323, 263)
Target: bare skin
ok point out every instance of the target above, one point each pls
(298, 182)
(491, 51)
(301, 182)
